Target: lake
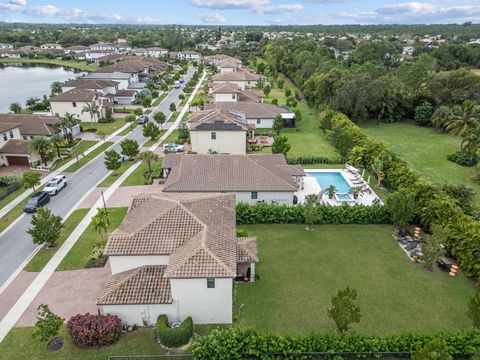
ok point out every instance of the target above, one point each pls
(22, 81)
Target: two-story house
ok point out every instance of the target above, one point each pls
(77, 101)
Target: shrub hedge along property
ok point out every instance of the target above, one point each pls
(244, 343)
(174, 337)
(94, 330)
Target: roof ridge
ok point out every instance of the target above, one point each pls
(178, 173)
(271, 172)
(131, 273)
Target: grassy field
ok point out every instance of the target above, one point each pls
(85, 159)
(81, 65)
(79, 255)
(84, 145)
(42, 257)
(426, 152)
(19, 345)
(114, 176)
(136, 177)
(300, 271)
(106, 128)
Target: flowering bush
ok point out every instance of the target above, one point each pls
(92, 330)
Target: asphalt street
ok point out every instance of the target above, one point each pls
(16, 245)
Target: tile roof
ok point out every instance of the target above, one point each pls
(219, 120)
(226, 88)
(196, 231)
(30, 124)
(142, 285)
(252, 110)
(133, 64)
(17, 147)
(77, 94)
(212, 173)
(241, 75)
(247, 249)
(92, 84)
(229, 63)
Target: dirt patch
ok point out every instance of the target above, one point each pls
(55, 344)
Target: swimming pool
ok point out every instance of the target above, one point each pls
(335, 178)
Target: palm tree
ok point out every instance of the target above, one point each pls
(464, 118)
(471, 142)
(42, 146)
(441, 117)
(16, 108)
(56, 87)
(31, 102)
(56, 139)
(100, 222)
(378, 169)
(66, 124)
(148, 157)
(92, 109)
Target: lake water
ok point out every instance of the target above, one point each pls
(18, 82)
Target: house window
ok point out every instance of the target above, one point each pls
(74, 104)
(213, 135)
(259, 121)
(210, 283)
(11, 134)
(233, 96)
(5, 136)
(254, 195)
(25, 137)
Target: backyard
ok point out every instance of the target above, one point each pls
(300, 271)
(426, 152)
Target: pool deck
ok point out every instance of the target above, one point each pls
(311, 186)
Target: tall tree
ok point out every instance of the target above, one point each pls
(46, 227)
(112, 160)
(92, 110)
(441, 117)
(31, 179)
(401, 205)
(56, 140)
(344, 310)
(278, 123)
(280, 145)
(310, 211)
(15, 107)
(148, 158)
(160, 118)
(151, 130)
(41, 145)
(464, 118)
(56, 87)
(100, 222)
(129, 147)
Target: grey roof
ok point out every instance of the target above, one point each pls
(251, 109)
(30, 124)
(218, 120)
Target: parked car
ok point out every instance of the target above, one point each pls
(176, 84)
(55, 185)
(173, 148)
(123, 158)
(142, 119)
(182, 80)
(36, 200)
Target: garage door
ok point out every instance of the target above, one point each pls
(17, 160)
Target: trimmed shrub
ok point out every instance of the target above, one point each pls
(8, 180)
(463, 158)
(10, 189)
(174, 337)
(284, 214)
(240, 343)
(94, 330)
(312, 160)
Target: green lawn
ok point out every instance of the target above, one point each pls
(19, 345)
(84, 145)
(12, 196)
(136, 178)
(79, 255)
(426, 152)
(85, 159)
(114, 176)
(133, 125)
(42, 257)
(106, 128)
(300, 271)
(82, 65)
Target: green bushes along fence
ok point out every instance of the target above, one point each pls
(174, 337)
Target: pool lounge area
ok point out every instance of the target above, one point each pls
(318, 180)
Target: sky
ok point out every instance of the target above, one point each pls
(241, 12)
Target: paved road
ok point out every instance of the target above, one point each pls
(16, 245)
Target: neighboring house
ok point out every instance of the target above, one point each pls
(156, 52)
(176, 254)
(9, 53)
(228, 92)
(253, 178)
(243, 78)
(189, 55)
(124, 97)
(137, 67)
(102, 86)
(139, 51)
(229, 65)
(6, 46)
(205, 47)
(110, 58)
(102, 46)
(219, 131)
(123, 79)
(76, 49)
(92, 55)
(74, 102)
(16, 131)
(51, 47)
(216, 59)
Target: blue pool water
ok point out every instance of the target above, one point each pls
(325, 179)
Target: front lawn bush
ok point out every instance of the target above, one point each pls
(284, 214)
(8, 180)
(94, 330)
(240, 343)
(463, 158)
(174, 337)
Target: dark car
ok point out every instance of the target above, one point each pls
(142, 119)
(36, 200)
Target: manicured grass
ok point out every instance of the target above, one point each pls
(12, 215)
(114, 176)
(82, 65)
(172, 138)
(85, 159)
(133, 125)
(42, 257)
(136, 178)
(19, 345)
(300, 271)
(106, 128)
(425, 150)
(78, 256)
(160, 99)
(150, 142)
(84, 145)
(12, 196)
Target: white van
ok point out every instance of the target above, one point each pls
(176, 84)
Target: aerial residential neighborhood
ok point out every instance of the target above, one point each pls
(240, 180)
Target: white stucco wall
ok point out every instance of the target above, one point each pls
(227, 142)
(204, 305)
(264, 123)
(226, 97)
(124, 263)
(225, 70)
(266, 196)
(136, 314)
(5, 136)
(59, 108)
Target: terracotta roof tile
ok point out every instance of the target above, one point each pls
(247, 249)
(31, 124)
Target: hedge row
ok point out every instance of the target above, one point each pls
(241, 343)
(174, 337)
(8, 180)
(313, 160)
(283, 214)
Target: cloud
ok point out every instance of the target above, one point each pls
(257, 6)
(212, 18)
(278, 9)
